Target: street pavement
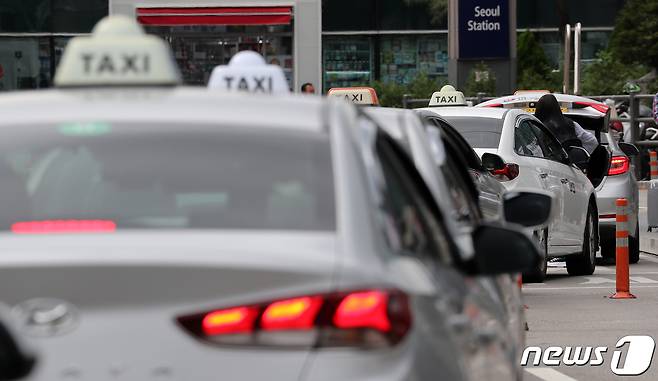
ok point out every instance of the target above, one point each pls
(577, 311)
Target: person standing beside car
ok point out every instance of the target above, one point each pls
(567, 131)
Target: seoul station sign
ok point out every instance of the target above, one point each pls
(484, 29)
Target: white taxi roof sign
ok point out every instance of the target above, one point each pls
(117, 53)
(247, 71)
(357, 95)
(447, 96)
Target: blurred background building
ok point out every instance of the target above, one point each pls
(333, 42)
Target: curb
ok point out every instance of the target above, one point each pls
(649, 245)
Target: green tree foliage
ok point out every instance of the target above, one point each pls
(437, 8)
(534, 69)
(607, 75)
(480, 80)
(635, 38)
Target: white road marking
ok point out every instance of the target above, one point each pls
(549, 374)
(602, 280)
(641, 279)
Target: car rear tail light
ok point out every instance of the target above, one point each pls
(370, 318)
(63, 226)
(596, 106)
(229, 321)
(510, 172)
(617, 126)
(363, 310)
(618, 165)
(494, 105)
(298, 313)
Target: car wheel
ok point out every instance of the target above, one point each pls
(539, 274)
(585, 262)
(634, 246)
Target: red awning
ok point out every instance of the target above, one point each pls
(215, 16)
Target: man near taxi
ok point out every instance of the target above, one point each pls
(567, 131)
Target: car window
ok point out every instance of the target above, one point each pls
(164, 176)
(479, 132)
(552, 148)
(412, 218)
(472, 159)
(526, 143)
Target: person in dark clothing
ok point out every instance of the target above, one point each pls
(564, 129)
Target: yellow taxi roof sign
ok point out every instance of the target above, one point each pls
(247, 71)
(118, 53)
(357, 95)
(447, 96)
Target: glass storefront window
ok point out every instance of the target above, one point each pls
(199, 48)
(347, 61)
(403, 58)
(24, 63)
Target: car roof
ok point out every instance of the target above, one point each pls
(489, 112)
(534, 96)
(163, 105)
(384, 116)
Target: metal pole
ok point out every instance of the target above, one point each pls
(633, 111)
(405, 100)
(566, 67)
(576, 58)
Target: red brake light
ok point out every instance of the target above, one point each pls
(363, 310)
(230, 321)
(597, 106)
(618, 165)
(298, 313)
(494, 105)
(63, 226)
(510, 172)
(371, 318)
(617, 126)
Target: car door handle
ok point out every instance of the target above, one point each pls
(543, 175)
(564, 181)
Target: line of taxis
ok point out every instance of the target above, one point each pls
(155, 231)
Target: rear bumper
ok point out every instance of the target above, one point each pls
(613, 188)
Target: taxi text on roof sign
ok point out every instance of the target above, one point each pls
(117, 53)
(447, 96)
(247, 71)
(356, 95)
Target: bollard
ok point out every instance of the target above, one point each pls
(622, 270)
(653, 164)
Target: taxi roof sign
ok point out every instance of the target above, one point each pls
(247, 71)
(117, 53)
(357, 95)
(447, 96)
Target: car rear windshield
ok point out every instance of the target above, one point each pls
(165, 177)
(478, 132)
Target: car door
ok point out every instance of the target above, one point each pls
(475, 319)
(574, 196)
(536, 170)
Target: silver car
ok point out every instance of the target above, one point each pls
(153, 233)
(620, 182)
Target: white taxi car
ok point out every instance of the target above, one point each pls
(620, 181)
(151, 231)
(524, 154)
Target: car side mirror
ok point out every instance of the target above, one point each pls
(16, 361)
(528, 209)
(492, 162)
(578, 156)
(500, 250)
(629, 149)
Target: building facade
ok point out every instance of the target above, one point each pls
(331, 42)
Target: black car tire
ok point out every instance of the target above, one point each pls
(634, 245)
(585, 262)
(539, 274)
